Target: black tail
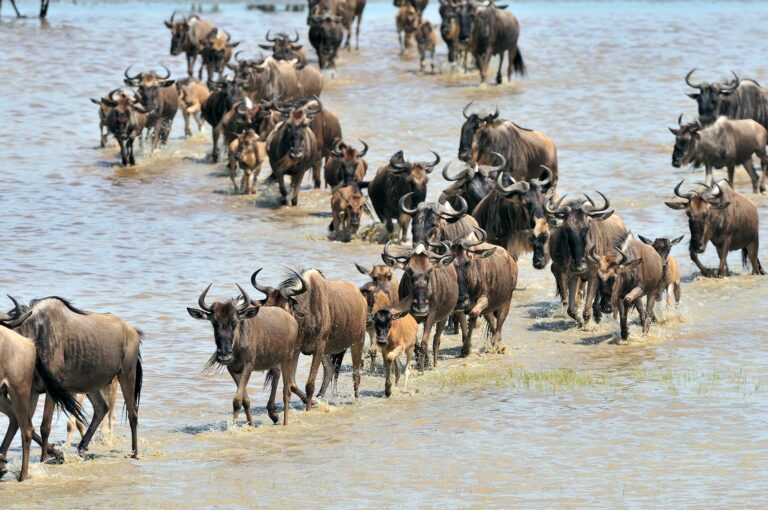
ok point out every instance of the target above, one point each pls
(58, 393)
(746, 264)
(139, 381)
(518, 64)
(268, 379)
(363, 184)
(337, 360)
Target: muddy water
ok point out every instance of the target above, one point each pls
(674, 419)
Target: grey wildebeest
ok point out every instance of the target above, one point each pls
(126, 119)
(345, 165)
(104, 110)
(473, 182)
(160, 98)
(486, 277)
(347, 203)
(331, 316)
(583, 227)
(104, 347)
(217, 51)
(285, 48)
(737, 99)
(726, 143)
(429, 290)
(508, 212)
(526, 151)
(192, 95)
(293, 149)
(249, 152)
(725, 218)
(23, 376)
(248, 338)
(394, 180)
(626, 274)
(671, 277)
(495, 31)
(326, 35)
(189, 36)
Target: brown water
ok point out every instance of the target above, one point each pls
(671, 420)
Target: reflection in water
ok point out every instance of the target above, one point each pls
(142, 243)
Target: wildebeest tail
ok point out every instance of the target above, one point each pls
(518, 64)
(337, 360)
(139, 381)
(747, 266)
(268, 379)
(60, 395)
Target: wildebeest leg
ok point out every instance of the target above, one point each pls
(294, 387)
(357, 359)
(501, 317)
(99, 411)
(328, 373)
(316, 359)
(722, 252)
(463, 326)
(20, 399)
(401, 41)
(13, 3)
(650, 301)
(510, 62)
(676, 287)
(573, 284)
(45, 426)
(638, 302)
(316, 173)
(407, 371)
(271, 406)
(466, 341)
(752, 173)
(757, 268)
(597, 313)
(73, 423)
(187, 129)
(482, 64)
(128, 385)
(422, 351)
(436, 341)
(295, 183)
(238, 377)
(623, 320)
(764, 168)
(388, 378)
(131, 157)
(590, 299)
(7, 409)
(123, 151)
(215, 136)
(704, 271)
(357, 31)
(286, 368)
(731, 170)
(157, 132)
(708, 175)
(498, 73)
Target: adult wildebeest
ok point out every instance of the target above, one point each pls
(495, 31)
(407, 21)
(508, 212)
(23, 376)
(189, 35)
(286, 80)
(626, 274)
(249, 338)
(726, 143)
(192, 95)
(438, 221)
(426, 42)
(224, 96)
(725, 218)
(583, 227)
(85, 351)
(249, 152)
(737, 99)
(671, 277)
(217, 51)
(104, 110)
(326, 35)
(331, 316)
(345, 165)
(486, 277)
(473, 182)
(126, 119)
(526, 151)
(392, 182)
(285, 48)
(293, 149)
(450, 29)
(347, 203)
(159, 97)
(429, 290)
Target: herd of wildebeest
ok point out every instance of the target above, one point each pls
(501, 203)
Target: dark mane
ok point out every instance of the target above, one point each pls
(65, 302)
(291, 280)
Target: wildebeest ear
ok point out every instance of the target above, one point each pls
(267, 46)
(674, 131)
(95, 101)
(632, 264)
(501, 6)
(720, 205)
(362, 270)
(296, 47)
(197, 314)
(168, 24)
(694, 95)
(234, 45)
(676, 205)
(249, 313)
(675, 241)
(167, 83)
(400, 315)
(488, 252)
(645, 240)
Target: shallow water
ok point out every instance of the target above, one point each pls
(680, 420)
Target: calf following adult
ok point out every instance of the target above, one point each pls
(347, 203)
(671, 277)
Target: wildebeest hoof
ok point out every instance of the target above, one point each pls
(274, 417)
(465, 352)
(135, 455)
(295, 202)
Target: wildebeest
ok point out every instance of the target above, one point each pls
(737, 99)
(107, 425)
(407, 21)
(383, 277)
(246, 115)
(394, 180)
(293, 149)
(189, 36)
(126, 119)
(726, 143)
(508, 212)
(473, 182)
(486, 277)
(382, 290)
(219, 103)
(285, 48)
(23, 376)
(438, 221)
(583, 226)
(192, 95)
(725, 218)
(526, 151)
(249, 152)
(345, 165)
(331, 316)
(671, 277)
(217, 51)
(249, 338)
(347, 203)
(495, 31)
(104, 110)
(326, 35)
(450, 29)
(395, 333)
(160, 98)
(429, 290)
(85, 351)
(626, 274)
(288, 80)
(426, 42)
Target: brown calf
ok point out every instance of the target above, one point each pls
(249, 152)
(192, 95)
(345, 165)
(426, 42)
(395, 334)
(347, 204)
(671, 277)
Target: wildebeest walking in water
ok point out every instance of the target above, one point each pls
(189, 36)
(737, 99)
(160, 98)
(125, 119)
(671, 276)
(495, 31)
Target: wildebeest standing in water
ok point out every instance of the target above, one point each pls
(108, 347)
(248, 338)
(192, 96)
(23, 376)
(326, 35)
(217, 51)
(495, 31)
(433, 222)
(725, 218)
(426, 42)
(737, 99)
(126, 119)
(347, 203)
(671, 277)
(285, 48)
(407, 21)
(189, 36)
(248, 151)
(473, 182)
(394, 333)
(345, 165)
(450, 29)
(726, 143)
(392, 182)
(161, 100)
(104, 109)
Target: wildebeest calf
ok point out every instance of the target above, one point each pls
(249, 152)
(426, 42)
(671, 277)
(347, 204)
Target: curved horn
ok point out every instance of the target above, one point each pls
(688, 80)
(336, 152)
(599, 210)
(680, 120)
(246, 299)
(623, 255)
(363, 152)
(464, 111)
(592, 255)
(290, 292)
(260, 288)
(403, 209)
(687, 196)
(481, 236)
(546, 177)
(549, 210)
(453, 214)
(201, 300)
(398, 162)
(734, 85)
(268, 38)
(516, 187)
(297, 37)
(494, 115)
(167, 74)
(713, 194)
(129, 77)
(18, 317)
(388, 254)
(435, 163)
(283, 109)
(463, 173)
(489, 169)
(237, 59)
(310, 111)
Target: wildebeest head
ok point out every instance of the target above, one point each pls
(530, 194)
(382, 323)
(179, 33)
(686, 138)
(710, 95)
(15, 317)
(469, 274)
(217, 46)
(352, 203)
(225, 317)
(296, 127)
(698, 206)
(538, 238)
(349, 159)
(283, 296)
(410, 17)
(662, 245)
(419, 264)
(610, 269)
(122, 115)
(417, 174)
(577, 218)
(426, 217)
(466, 12)
(381, 275)
(282, 46)
(147, 85)
(472, 123)
(247, 144)
(474, 181)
